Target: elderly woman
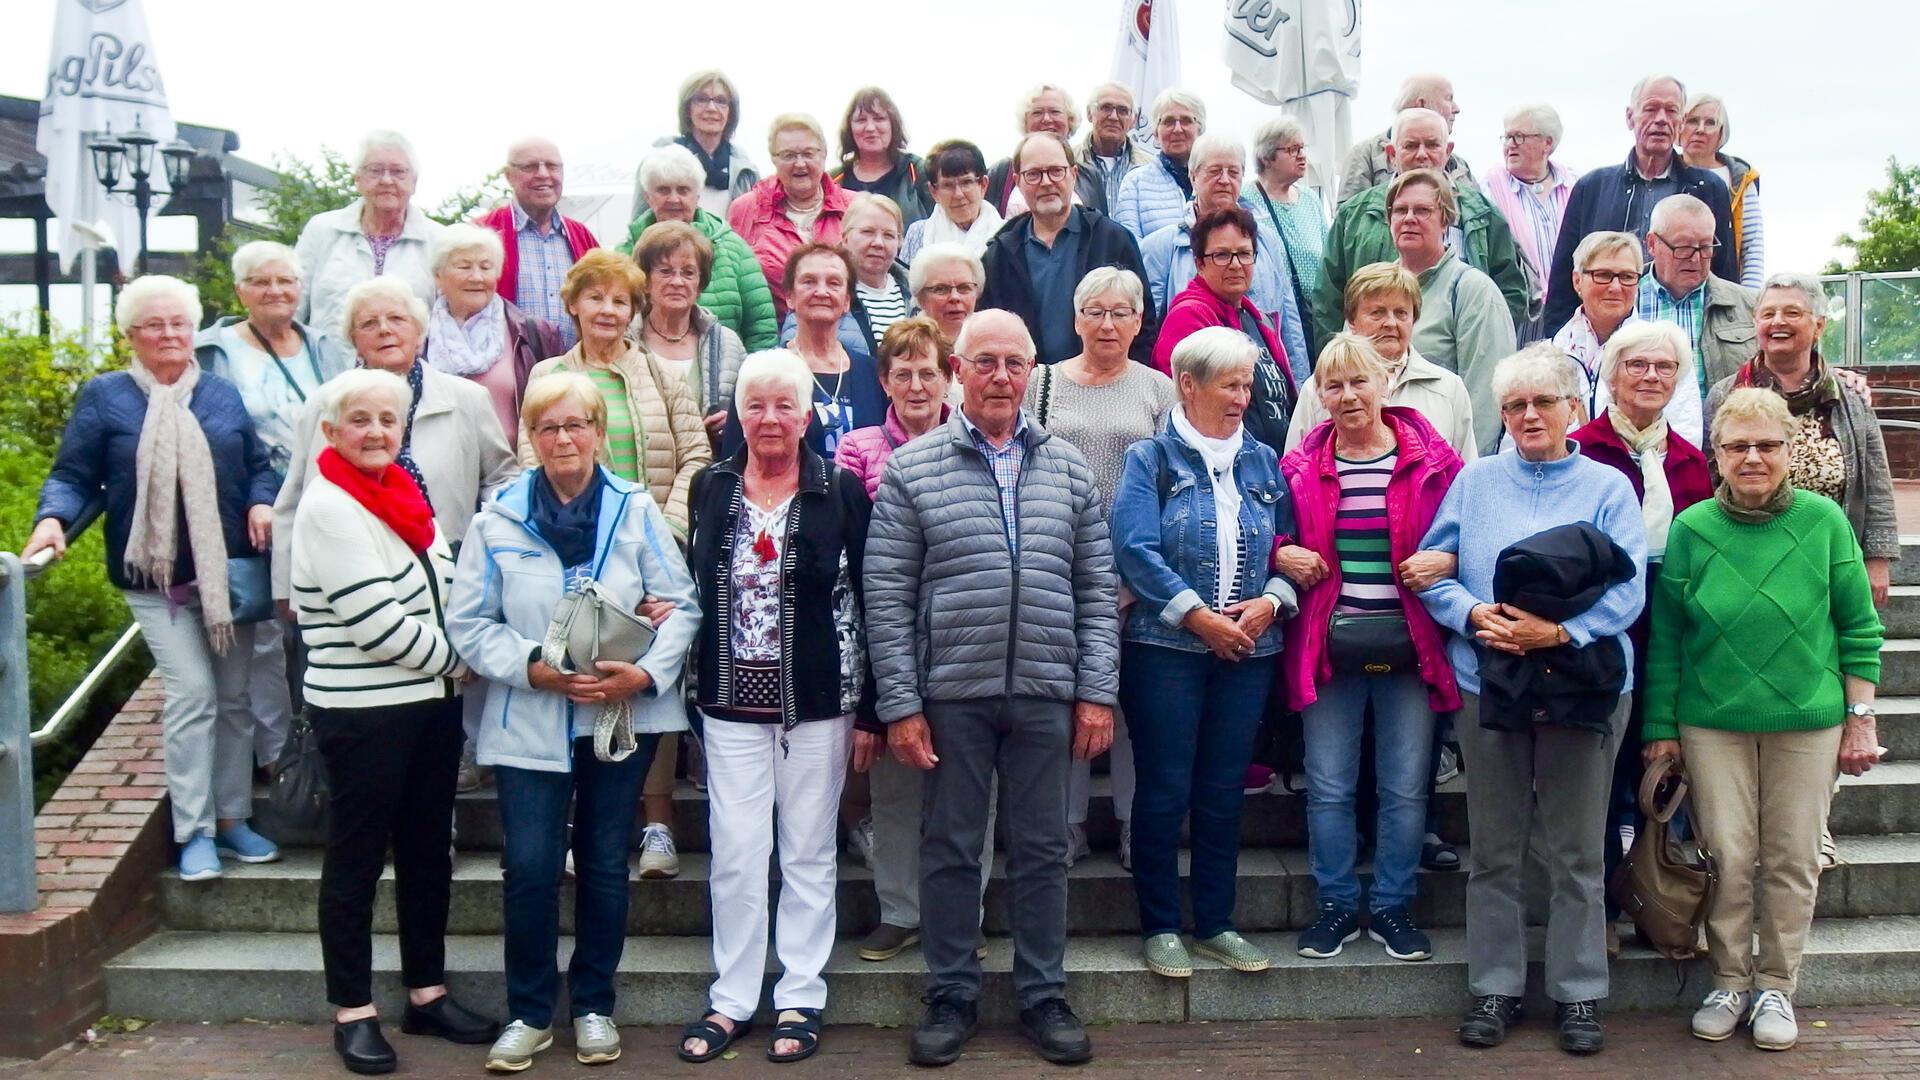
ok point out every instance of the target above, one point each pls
(882, 295)
(1224, 253)
(709, 114)
(188, 490)
(946, 280)
(1606, 277)
(1194, 518)
(1044, 107)
(799, 205)
(381, 233)
(563, 524)
(1704, 131)
(1463, 325)
(371, 574)
(1366, 485)
(736, 291)
(1383, 305)
(1291, 207)
(1155, 195)
(961, 214)
(276, 363)
(1102, 402)
(473, 332)
(679, 331)
(1766, 711)
(874, 157)
(1531, 191)
(777, 710)
(1547, 778)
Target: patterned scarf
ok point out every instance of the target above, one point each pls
(1819, 394)
(1179, 173)
(173, 473)
(1656, 500)
(467, 348)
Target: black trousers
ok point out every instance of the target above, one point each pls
(390, 773)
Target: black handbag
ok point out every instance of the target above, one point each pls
(1370, 643)
(250, 589)
(297, 800)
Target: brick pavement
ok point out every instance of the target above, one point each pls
(1855, 1042)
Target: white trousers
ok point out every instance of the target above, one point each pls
(899, 794)
(754, 790)
(1119, 766)
(205, 727)
(267, 690)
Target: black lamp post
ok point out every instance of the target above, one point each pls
(134, 152)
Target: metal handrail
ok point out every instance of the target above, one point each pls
(82, 695)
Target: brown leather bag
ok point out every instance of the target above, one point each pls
(1666, 884)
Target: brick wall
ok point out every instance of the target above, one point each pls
(1903, 447)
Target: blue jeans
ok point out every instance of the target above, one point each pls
(1403, 763)
(533, 826)
(1192, 718)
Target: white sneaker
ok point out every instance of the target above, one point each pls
(1447, 766)
(1126, 844)
(860, 842)
(658, 857)
(513, 1051)
(1772, 1020)
(595, 1040)
(1077, 846)
(1719, 1015)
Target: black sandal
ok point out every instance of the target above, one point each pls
(805, 1031)
(1440, 856)
(717, 1038)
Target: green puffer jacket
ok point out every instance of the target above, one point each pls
(1360, 237)
(737, 295)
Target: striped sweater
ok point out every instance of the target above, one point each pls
(369, 613)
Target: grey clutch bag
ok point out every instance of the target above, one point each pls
(589, 626)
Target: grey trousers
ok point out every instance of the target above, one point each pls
(1553, 781)
(1029, 742)
(268, 694)
(205, 728)
(899, 795)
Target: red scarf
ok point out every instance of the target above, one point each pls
(394, 498)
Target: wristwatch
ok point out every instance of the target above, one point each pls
(1860, 709)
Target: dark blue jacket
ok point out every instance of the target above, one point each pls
(1102, 243)
(1604, 200)
(96, 461)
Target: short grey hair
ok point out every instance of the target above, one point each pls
(1674, 206)
(380, 288)
(1215, 145)
(782, 368)
(255, 254)
(1606, 242)
(1102, 280)
(1212, 351)
(938, 254)
(1408, 116)
(1420, 87)
(460, 238)
(979, 321)
(147, 290)
(1544, 118)
(1641, 336)
(1541, 364)
(1188, 100)
(1033, 93)
(350, 384)
(1697, 100)
(1094, 98)
(1805, 284)
(669, 164)
(1640, 88)
(1270, 136)
(381, 139)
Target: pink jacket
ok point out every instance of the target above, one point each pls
(760, 218)
(1422, 473)
(864, 452)
(1198, 306)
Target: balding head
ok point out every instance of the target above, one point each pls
(992, 361)
(1429, 91)
(1419, 141)
(534, 173)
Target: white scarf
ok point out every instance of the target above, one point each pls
(173, 472)
(470, 348)
(1656, 504)
(975, 237)
(1219, 455)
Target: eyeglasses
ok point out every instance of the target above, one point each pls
(905, 377)
(675, 273)
(1097, 315)
(1666, 369)
(709, 101)
(1539, 404)
(1739, 450)
(155, 327)
(1293, 149)
(1688, 251)
(941, 291)
(534, 167)
(1113, 108)
(1515, 138)
(574, 429)
(1052, 174)
(1794, 314)
(1242, 257)
(1608, 277)
(987, 365)
(1407, 210)
(788, 157)
(385, 172)
(1047, 114)
(1219, 172)
(957, 184)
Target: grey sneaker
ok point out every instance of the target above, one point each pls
(888, 941)
(1719, 1016)
(1234, 951)
(1167, 956)
(860, 842)
(1126, 844)
(513, 1051)
(658, 857)
(1772, 1020)
(1077, 846)
(595, 1040)
(1446, 766)
(468, 778)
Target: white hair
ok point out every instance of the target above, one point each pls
(1270, 136)
(936, 254)
(375, 141)
(670, 164)
(1805, 284)
(148, 290)
(1541, 365)
(782, 368)
(1215, 145)
(1639, 337)
(1026, 106)
(1640, 88)
(380, 288)
(460, 238)
(352, 383)
(1185, 99)
(1422, 87)
(1674, 206)
(1408, 116)
(1212, 351)
(1094, 98)
(1699, 100)
(982, 320)
(255, 254)
(1102, 280)
(1544, 118)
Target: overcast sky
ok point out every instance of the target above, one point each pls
(1819, 95)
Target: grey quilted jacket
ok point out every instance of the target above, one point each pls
(950, 617)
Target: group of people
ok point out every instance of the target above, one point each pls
(961, 475)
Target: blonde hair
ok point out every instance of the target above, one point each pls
(1376, 278)
(1443, 195)
(1752, 403)
(794, 121)
(555, 387)
(1348, 354)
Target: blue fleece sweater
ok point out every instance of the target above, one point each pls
(1500, 500)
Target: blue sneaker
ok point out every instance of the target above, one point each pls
(199, 861)
(1329, 933)
(242, 843)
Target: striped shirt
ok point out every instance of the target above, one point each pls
(885, 306)
(545, 259)
(1360, 538)
(624, 434)
(1688, 312)
(1004, 462)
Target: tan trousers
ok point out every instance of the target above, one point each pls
(660, 773)
(1761, 802)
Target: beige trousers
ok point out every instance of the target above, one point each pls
(1761, 801)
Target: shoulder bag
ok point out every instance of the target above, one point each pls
(1666, 884)
(589, 626)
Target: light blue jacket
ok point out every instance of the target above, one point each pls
(1150, 200)
(1168, 256)
(509, 581)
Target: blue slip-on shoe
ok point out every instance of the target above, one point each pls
(199, 860)
(242, 843)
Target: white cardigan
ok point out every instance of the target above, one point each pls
(371, 614)
(335, 256)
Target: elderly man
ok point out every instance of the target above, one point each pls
(945, 280)
(1621, 199)
(1046, 107)
(1154, 197)
(1716, 314)
(1038, 258)
(1108, 153)
(1368, 165)
(1531, 190)
(1216, 165)
(994, 627)
(1360, 235)
(541, 244)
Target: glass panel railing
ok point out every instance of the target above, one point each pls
(1872, 319)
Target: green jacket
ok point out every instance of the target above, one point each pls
(1360, 237)
(737, 294)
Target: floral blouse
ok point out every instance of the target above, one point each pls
(759, 539)
(1814, 461)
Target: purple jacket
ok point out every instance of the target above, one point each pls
(1422, 472)
(864, 452)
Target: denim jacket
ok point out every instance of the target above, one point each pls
(1163, 539)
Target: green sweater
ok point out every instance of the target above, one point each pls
(1754, 625)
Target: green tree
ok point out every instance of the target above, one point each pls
(1888, 240)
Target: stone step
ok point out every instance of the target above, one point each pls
(1900, 667)
(1899, 727)
(225, 977)
(1906, 568)
(1902, 613)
